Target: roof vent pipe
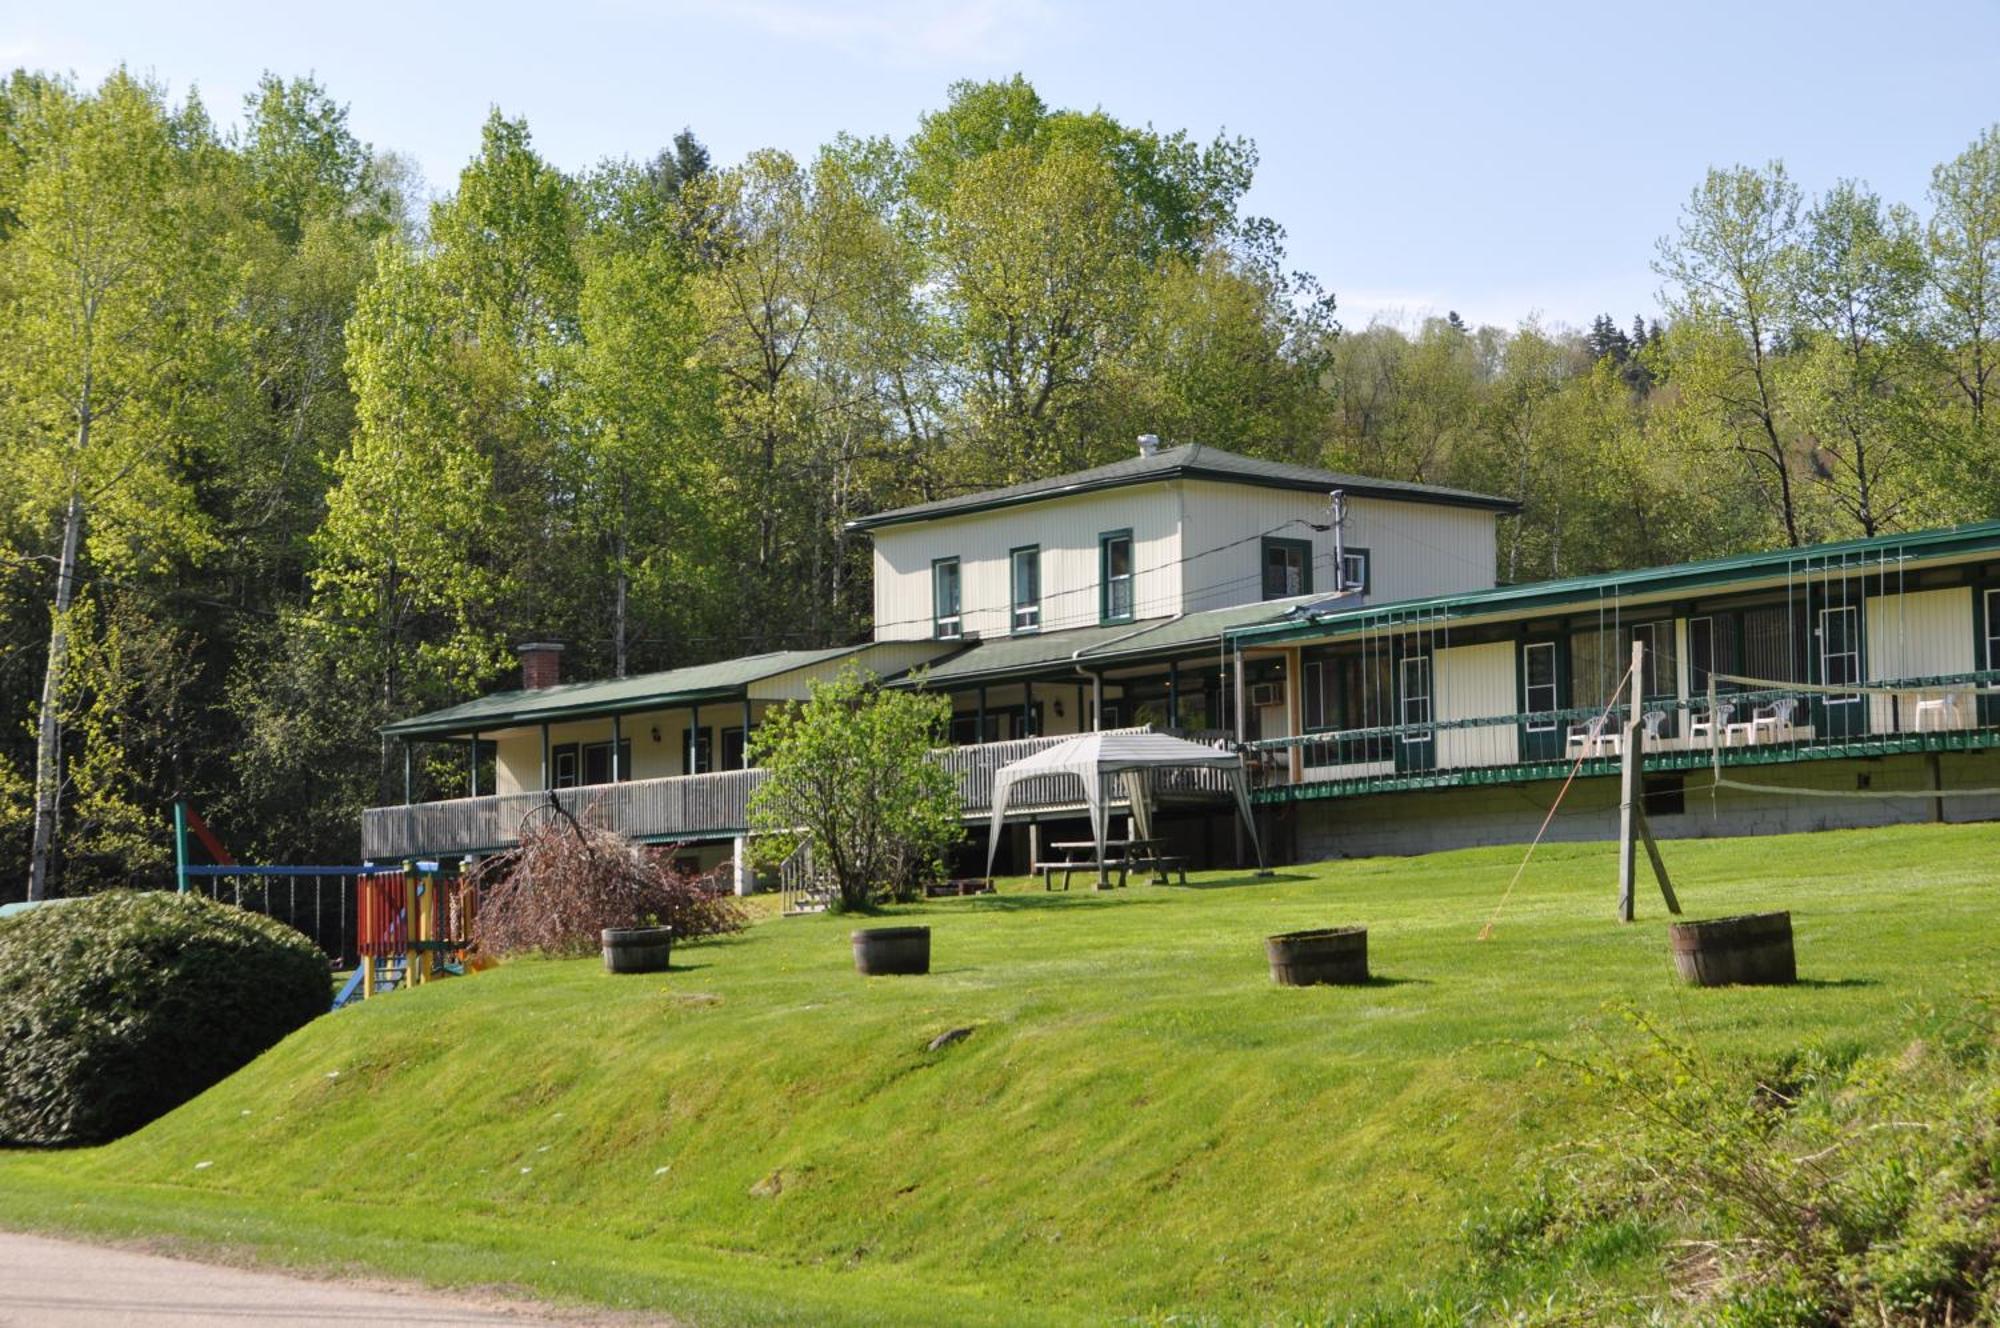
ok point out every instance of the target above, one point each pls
(1149, 444)
(541, 664)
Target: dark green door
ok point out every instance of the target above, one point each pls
(1836, 660)
(1541, 691)
(1416, 743)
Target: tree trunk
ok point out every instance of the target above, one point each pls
(48, 739)
(618, 629)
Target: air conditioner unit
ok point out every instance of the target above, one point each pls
(1267, 694)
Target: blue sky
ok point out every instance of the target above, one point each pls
(1502, 160)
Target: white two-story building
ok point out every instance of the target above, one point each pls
(1347, 632)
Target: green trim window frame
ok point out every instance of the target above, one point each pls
(565, 767)
(1993, 629)
(732, 748)
(1415, 696)
(1538, 673)
(1024, 577)
(1115, 576)
(947, 622)
(1840, 650)
(1287, 567)
(1354, 567)
(1662, 680)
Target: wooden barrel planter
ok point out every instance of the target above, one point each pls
(1330, 955)
(1754, 949)
(882, 951)
(636, 949)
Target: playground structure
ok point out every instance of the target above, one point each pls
(402, 925)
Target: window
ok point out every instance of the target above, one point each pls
(563, 766)
(1314, 679)
(1353, 570)
(1025, 574)
(1416, 672)
(1538, 672)
(1590, 667)
(1711, 650)
(1287, 568)
(697, 753)
(1114, 574)
(1768, 652)
(1840, 650)
(732, 748)
(1662, 669)
(946, 624)
(1992, 629)
(597, 761)
(1665, 795)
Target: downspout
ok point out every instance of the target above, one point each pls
(1097, 682)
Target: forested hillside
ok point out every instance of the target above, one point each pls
(295, 445)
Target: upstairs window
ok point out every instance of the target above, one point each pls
(1025, 573)
(946, 624)
(1114, 569)
(1287, 568)
(1354, 570)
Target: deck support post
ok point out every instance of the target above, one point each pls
(472, 767)
(1934, 765)
(979, 721)
(693, 761)
(1242, 725)
(743, 877)
(409, 775)
(547, 773)
(746, 730)
(1295, 714)
(1173, 694)
(1027, 709)
(617, 736)
(1096, 702)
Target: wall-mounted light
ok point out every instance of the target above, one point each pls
(656, 733)
(1059, 709)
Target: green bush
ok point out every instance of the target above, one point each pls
(117, 1008)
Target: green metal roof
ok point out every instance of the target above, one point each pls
(721, 681)
(1979, 537)
(1030, 654)
(1190, 461)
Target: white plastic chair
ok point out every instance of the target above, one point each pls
(1709, 726)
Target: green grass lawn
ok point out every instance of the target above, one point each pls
(1140, 1125)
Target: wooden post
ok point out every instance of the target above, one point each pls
(1173, 694)
(1295, 712)
(473, 765)
(1242, 729)
(1096, 703)
(548, 774)
(1630, 787)
(979, 729)
(409, 776)
(1633, 826)
(617, 736)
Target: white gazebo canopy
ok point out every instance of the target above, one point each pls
(1097, 758)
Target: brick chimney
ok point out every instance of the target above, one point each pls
(541, 664)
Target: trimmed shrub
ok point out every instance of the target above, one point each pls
(117, 1008)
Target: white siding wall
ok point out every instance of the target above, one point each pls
(1415, 549)
(1471, 681)
(1920, 634)
(1067, 531)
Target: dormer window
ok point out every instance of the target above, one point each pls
(1114, 576)
(1025, 575)
(946, 622)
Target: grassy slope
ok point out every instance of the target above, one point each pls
(1140, 1121)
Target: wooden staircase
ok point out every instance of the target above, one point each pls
(801, 888)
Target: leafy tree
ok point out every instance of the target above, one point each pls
(1727, 272)
(1963, 240)
(850, 774)
(1857, 278)
(107, 281)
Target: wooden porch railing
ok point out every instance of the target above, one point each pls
(714, 805)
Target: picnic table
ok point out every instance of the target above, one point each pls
(1081, 855)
